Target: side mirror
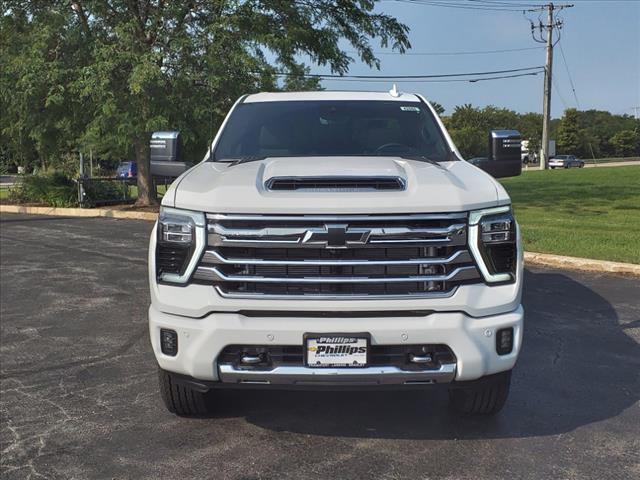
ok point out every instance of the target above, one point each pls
(166, 155)
(505, 154)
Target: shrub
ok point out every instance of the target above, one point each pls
(54, 189)
(104, 191)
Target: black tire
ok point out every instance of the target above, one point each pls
(180, 398)
(486, 398)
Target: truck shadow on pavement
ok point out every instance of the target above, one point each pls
(577, 367)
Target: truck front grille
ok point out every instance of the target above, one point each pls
(352, 256)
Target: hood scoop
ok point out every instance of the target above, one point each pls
(337, 183)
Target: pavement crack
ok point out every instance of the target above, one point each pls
(74, 250)
(116, 354)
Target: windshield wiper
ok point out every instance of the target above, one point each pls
(246, 159)
(422, 158)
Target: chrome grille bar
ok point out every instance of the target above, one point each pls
(334, 296)
(223, 236)
(213, 273)
(215, 257)
(217, 217)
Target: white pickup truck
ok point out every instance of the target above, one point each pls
(337, 240)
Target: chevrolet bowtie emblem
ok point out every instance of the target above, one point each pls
(336, 236)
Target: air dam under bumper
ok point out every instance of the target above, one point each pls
(472, 340)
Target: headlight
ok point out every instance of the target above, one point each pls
(494, 244)
(181, 240)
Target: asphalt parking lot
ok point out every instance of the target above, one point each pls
(78, 384)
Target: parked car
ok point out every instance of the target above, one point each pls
(529, 157)
(338, 239)
(127, 170)
(565, 161)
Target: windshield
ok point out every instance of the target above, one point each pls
(331, 128)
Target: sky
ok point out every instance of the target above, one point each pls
(600, 40)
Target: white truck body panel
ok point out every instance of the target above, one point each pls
(221, 188)
(206, 322)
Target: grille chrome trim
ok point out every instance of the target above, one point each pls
(212, 273)
(334, 296)
(337, 257)
(264, 237)
(337, 218)
(212, 256)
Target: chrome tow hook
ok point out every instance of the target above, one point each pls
(419, 358)
(251, 359)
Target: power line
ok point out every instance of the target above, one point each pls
(465, 6)
(505, 76)
(470, 80)
(566, 66)
(555, 86)
(470, 52)
(409, 77)
(506, 4)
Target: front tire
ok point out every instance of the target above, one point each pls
(485, 398)
(181, 399)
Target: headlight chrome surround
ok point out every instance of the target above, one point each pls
(185, 229)
(476, 235)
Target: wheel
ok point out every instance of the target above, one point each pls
(487, 397)
(180, 398)
(553, 168)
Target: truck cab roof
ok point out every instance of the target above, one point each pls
(329, 96)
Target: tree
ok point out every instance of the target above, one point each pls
(145, 56)
(569, 135)
(437, 107)
(530, 126)
(470, 126)
(626, 143)
(41, 118)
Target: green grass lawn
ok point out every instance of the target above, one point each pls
(591, 212)
(133, 191)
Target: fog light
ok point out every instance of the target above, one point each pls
(504, 341)
(169, 342)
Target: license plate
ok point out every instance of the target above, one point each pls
(336, 350)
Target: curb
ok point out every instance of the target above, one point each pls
(530, 258)
(583, 264)
(79, 212)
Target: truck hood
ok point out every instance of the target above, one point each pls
(226, 188)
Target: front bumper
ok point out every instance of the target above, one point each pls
(472, 340)
(304, 376)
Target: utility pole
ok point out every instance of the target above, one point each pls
(546, 105)
(540, 29)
